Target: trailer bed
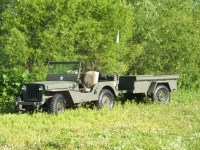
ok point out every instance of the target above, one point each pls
(146, 83)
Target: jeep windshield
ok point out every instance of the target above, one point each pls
(64, 68)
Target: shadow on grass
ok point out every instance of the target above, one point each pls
(9, 107)
(135, 98)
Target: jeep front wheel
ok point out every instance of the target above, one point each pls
(57, 104)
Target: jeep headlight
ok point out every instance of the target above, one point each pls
(23, 88)
(41, 88)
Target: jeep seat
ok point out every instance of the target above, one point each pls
(90, 79)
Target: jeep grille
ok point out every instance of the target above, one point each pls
(32, 93)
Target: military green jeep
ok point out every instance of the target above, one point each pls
(65, 86)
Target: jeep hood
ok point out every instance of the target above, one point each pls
(57, 85)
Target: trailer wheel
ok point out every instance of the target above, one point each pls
(106, 99)
(161, 94)
(57, 104)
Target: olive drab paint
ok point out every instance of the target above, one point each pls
(66, 85)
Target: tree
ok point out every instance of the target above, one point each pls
(169, 34)
(67, 30)
(36, 32)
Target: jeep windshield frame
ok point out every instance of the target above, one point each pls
(63, 71)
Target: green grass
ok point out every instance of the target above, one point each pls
(131, 126)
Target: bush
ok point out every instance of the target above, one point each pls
(9, 85)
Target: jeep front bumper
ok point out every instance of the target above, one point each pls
(21, 106)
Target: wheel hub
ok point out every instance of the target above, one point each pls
(161, 96)
(106, 100)
(60, 106)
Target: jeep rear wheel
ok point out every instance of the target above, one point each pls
(57, 104)
(106, 99)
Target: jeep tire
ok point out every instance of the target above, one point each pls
(57, 104)
(106, 99)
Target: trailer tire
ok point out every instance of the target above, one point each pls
(106, 99)
(161, 94)
(57, 104)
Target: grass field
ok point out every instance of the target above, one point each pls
(130, 126)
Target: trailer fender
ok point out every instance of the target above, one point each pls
(153, 86)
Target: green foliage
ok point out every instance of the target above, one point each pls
(155, 37)
(36, 32)
(9, 86)
(67, 30)
(15, 51)
(131, 126)
(169, 33)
